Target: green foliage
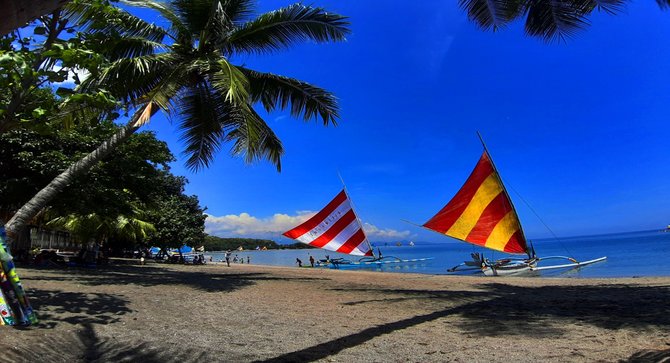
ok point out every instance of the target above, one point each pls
(178, 219)
(214, 243)
(184, 69)
(51, 57)
(98, 227)
(128, 196)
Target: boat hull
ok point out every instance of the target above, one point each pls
(508, 270)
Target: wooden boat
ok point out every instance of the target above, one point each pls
(482, 213)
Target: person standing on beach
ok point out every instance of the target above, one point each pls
(311, 260)
(297, 260)
(248, 259)
(227, 256)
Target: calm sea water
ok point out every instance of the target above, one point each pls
(631, 254)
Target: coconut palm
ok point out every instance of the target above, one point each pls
(100, 228)
(187, 71)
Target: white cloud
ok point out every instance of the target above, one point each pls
(246, 225)
(69, 82)
(375, 232)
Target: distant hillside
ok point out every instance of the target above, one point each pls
(214, 243)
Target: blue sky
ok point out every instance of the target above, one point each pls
(579, 130)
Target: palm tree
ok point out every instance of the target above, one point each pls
(100, 228)
(186, 71)
(551, 20)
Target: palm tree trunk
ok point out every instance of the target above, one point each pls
(16, 13)
(29, 210)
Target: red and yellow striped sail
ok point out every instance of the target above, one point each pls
(481, 213)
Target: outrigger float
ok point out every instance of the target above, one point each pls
(368, 262)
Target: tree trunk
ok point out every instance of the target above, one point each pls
(29, 210)
(17, 13)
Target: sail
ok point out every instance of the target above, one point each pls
(481, 213)
(334, 228)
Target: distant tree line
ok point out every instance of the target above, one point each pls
(214, 243)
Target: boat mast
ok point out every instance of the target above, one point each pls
(346, 192)
(486, 150)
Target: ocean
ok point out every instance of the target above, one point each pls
(633, 254)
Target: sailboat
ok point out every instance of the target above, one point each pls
(337, 228)
(482, 213)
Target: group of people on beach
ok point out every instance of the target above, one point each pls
(236, 259)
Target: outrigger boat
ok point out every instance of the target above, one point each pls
(482, 213)
(337, 228)
(367, 262)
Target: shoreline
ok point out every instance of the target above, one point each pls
(473, 275)
(245, 313)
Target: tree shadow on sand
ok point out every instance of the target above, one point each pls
(501, 309)
(76, 308)
(204, 280)
(85, 345)
(646, 356)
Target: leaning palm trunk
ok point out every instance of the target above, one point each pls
(16, 13)
(29, 210)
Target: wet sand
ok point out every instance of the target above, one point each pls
(248, 313)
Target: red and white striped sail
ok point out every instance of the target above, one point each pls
(334, 228)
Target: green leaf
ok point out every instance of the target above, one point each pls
(64, 92)
(38, 112)
(281, 28)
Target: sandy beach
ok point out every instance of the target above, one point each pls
(248, 313)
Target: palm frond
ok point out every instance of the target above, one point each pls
(238, 11)
(281, 28)
(305, 100)
(202, 112)
(167, 89)
(100, 17)
(129, 47)
(231, 82)
(132, 228)
(556, 20)
(194, 14)
(663, 4)
(83, 226)
(611, 7)
(254, 140)
(179, 30)
(85, 108)
(491, 14)
(224, 18)
(129, 79)
(215, 32)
